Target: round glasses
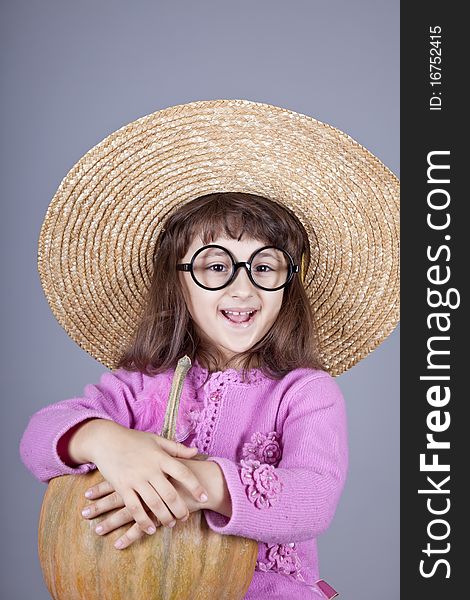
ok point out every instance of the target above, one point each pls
(213, 267)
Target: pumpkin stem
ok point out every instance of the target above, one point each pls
(171, 414)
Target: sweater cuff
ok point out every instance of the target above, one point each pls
(62, 467)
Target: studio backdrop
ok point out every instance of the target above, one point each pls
(75, 72)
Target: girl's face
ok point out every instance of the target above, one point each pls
(205, 306)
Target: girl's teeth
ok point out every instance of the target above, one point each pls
(238, 316)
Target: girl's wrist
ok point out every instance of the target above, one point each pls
(85, 439)
(223, 503)
(212, 478)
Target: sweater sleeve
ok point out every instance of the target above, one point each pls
(112, 398)
(296, 500)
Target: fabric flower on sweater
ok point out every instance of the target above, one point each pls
(194, 416)
(282, 558)
(262, 481)
(263, 447)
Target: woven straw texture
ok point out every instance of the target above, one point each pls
(97, 240)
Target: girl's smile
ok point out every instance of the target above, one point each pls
(237, 316)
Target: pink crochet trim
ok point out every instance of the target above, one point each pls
(263, 483)
(282, 558)
(263, 447)
(201, 422)
(207, 421)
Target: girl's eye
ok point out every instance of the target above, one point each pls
(218, 268)
(267, 267)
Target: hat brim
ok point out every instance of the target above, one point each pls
(97, 240)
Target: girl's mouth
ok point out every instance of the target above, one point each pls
(239, 319)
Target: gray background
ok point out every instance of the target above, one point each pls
(73, 72)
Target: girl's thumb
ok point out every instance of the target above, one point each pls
(177, 448)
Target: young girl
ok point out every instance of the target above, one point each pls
(228, 290)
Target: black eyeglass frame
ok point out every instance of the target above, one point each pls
(292, 268)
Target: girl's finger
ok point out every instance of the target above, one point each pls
(119, 518)
(164, 501)
(176, 449)
(152, 497)
(135, 508)
(132, 534)
(103, 505)
(99, 490)
(187, 478)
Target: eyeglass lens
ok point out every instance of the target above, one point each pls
(213, 267)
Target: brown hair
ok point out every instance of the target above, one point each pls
(167, 332)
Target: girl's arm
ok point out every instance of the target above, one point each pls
(296, 500)
(78, 445)
(212, 478)
(44, 446)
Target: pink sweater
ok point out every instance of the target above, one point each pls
(282, 446)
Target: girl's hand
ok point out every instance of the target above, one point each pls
(109, 500)
(137, 465)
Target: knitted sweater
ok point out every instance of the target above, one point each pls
(281, 444)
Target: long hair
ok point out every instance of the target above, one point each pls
(166, 331)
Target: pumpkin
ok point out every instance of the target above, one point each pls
(187, 562)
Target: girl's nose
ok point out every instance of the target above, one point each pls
(241, 283)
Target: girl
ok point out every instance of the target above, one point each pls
(228, 290)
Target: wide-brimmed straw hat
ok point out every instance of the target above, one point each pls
(97, 241)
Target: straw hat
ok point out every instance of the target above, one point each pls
(97, 240)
